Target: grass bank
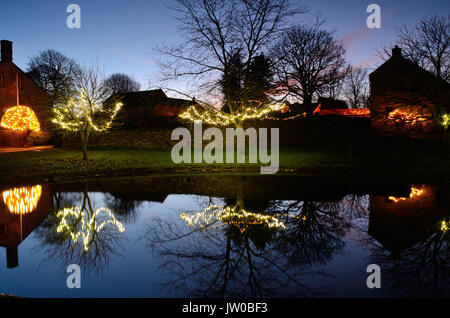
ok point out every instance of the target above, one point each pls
(66, 164)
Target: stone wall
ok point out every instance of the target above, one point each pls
(326, 130)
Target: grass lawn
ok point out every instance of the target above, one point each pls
(65, 164)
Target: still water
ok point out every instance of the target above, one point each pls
(225, 236)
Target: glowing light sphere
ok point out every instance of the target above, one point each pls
(22, 200)
(20, 118)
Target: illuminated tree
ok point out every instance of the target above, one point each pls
(20, 118)
(224, 40)
(84, 112)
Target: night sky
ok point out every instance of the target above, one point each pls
(121, 35)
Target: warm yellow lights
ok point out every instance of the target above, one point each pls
(230, 215)
(20, 118)
(78, 113)
(444, 226)
(445, 120)
(407, 117)
(219, 118)
(415, 192)
(80, 227)
(22, 200)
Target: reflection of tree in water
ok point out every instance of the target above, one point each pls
(313, 235)
(80, 234)
(232, 252)
(422, 270)
(125, 209)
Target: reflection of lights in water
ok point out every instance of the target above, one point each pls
(229, 215)
(22, 200)
(84, 230)
(415, 192)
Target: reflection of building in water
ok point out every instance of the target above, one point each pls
(400, 221)
(22, 209)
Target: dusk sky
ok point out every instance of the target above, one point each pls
(121, 35)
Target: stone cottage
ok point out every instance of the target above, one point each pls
(403, 98)
(16, 88)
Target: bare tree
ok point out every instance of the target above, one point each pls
(119, 83)
(54, 73)
(214, 31)
(427, 44)
(309, 59)
(356, 87)
(84, 112)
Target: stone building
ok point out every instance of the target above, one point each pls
(16, 88)
(403, 98)
(145, 109)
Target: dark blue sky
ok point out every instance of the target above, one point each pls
(121, 34)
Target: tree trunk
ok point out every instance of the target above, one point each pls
(84, 142)
(307, 102)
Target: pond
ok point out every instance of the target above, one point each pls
(225, 236)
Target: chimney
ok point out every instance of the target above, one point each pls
(397, 52)
(6, 47)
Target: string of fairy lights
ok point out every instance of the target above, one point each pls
(445, 120)
(77, 114)
(20, 118)
(214, 216)
(220, 118)
(230, 215)
(73, 222)
(444, 226)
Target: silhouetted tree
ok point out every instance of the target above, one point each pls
(356, 87)
(245, 83)
(217, 33)
(308, 60)
(119, 83)
(426, 44)
(55, 73)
